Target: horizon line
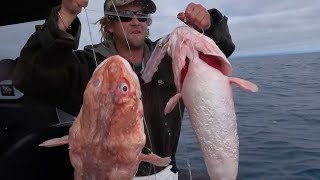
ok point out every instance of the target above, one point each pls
(273, 53)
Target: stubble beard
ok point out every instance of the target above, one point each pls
(136, 41)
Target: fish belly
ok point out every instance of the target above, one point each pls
(207, 95)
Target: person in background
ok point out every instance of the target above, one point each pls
(51, 68)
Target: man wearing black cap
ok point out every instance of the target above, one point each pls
(51, 68)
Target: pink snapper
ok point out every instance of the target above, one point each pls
(107, 137)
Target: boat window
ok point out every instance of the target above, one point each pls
(14, 37)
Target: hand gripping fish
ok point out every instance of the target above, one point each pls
(201, 73)
(106, 138)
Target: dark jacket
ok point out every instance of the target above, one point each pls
(50, 68)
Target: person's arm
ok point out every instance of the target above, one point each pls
(212, 22)
(219, 32)
(49, 68)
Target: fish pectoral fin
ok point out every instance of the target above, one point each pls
(55, 142)
(154, 159)
(173, 101)
(244, 84)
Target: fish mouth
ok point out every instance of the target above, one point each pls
(212, 61)
(216, 62)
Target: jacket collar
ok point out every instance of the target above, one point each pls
(107, 49)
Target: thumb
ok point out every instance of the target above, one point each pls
(83, 3)
(182, 17)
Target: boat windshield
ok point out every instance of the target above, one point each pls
(13, 38)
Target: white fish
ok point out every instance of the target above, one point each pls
(207, 94)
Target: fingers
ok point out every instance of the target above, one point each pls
(196, 15)
(83, 3)
(183, 18)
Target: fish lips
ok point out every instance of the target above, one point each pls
(217, 62)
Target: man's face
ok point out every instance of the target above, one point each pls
(135, 31)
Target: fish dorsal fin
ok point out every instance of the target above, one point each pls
(56, 142)
(173, 101)
(154, 159)
(244, 84)
(155, 59)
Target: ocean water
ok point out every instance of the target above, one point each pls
(279, 126)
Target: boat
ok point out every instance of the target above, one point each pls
(26, 121)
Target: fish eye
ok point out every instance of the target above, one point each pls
(96, 82)
(124, 87)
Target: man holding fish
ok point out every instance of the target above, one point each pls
(51, 68)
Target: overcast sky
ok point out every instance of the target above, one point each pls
(256, 26)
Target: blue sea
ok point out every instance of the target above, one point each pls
(279, 126)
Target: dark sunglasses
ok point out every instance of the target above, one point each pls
(127, 16)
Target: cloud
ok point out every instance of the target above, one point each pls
(288, 26)
(256, 27)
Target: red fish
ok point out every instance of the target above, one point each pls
(106, 138)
